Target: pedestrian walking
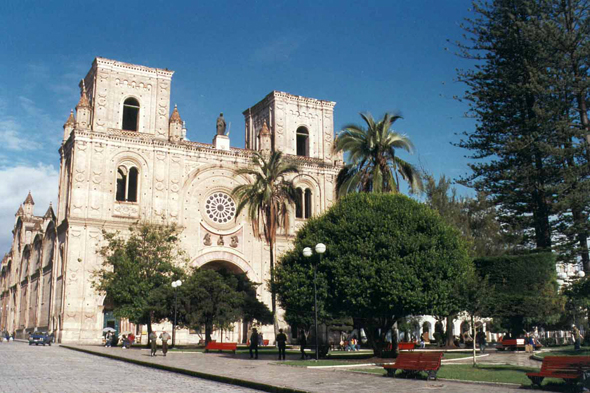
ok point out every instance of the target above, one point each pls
(282, 344)
(164, 337)
(302, 343)
(153, 337)
(254, 343)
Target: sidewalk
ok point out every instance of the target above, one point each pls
(267, 374)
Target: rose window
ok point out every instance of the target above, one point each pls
(220, 208)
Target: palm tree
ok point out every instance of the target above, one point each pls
(373, 165)
(267, 198)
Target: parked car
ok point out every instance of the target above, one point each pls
(39, 338)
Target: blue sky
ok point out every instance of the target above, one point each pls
(373, 56)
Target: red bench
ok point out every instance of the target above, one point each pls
(414, 362)
(406, 346)
(213, 346)
(568, 368)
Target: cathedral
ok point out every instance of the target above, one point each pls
(125, 158)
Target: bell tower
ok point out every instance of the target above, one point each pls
(298, 125)
(128, 97)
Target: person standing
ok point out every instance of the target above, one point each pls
(577, 338)
(153, 337)
(528, 343)
(282, 344)
(302, 344)
(164, 337)
(254, 343)
(480, 338)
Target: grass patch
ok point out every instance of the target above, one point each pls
(481, 373)
(565, 351)
(457, 355)
(186, 350)
(321, 362)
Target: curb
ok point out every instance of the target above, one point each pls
(211, 377)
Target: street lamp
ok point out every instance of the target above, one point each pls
(175, 285)
(320, 248)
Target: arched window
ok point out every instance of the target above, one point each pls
(299, 203)
(131, 114)
(302, 142)
(307, 203)
(127, 184)
(303, 203)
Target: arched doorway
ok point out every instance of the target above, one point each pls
(465, 332)
(426, 332)
(108, 318)
(234, 264)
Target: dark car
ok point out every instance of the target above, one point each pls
(39, 338)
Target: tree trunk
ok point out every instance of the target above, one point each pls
(450, 342)
(149, 328)
(208, 331)
(275, 317)
(473, 336)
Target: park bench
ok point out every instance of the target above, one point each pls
(214, 346)
(264, 343)
(511, 344)
(569, 368)
(406, 346)
(415, 362)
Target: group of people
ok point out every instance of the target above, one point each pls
(257, 340)
(7, 337)
(350, 344)
(111, 340)
(164, 338)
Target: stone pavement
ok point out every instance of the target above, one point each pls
(519, 358)
(32, 369)
(267, 370)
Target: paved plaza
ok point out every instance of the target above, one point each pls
(267, 370)
(58, 369)
(25, 369)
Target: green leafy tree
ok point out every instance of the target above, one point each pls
(476, 219)
(267, 200)
(387, 257)
(524, 289)
(566, 29)
(374, 165)
(137, 271)
(217, 299)
(508, 95)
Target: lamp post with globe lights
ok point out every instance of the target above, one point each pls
(320, 248)
(175, 285)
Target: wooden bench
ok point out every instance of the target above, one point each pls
(213, 346)
(511, 344)
(415, 362)
(406, 346)
(568, 368)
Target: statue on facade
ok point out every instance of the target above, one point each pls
(220, 125)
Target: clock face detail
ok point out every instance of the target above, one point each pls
(220, 208)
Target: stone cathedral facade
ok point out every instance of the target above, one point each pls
(125, 158)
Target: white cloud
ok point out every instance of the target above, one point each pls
(278, 50)
(15, 184)
(11, 135)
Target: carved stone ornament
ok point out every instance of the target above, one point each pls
(126, 210)
(220, 241)
(234, 241)
(207, 239)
